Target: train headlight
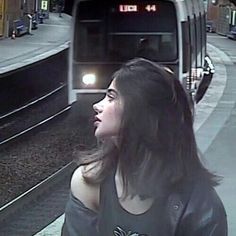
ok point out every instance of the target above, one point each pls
(214, 2)
(89, 79)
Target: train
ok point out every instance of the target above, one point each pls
(107, 34)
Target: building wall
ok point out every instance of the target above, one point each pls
(29, 6)
(213, 10)
(2, 15)
(13, 10)
(221, 15)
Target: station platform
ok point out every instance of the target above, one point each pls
(54, 229)
(51, 37)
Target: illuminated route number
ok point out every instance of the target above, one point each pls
(136, 8)
(151, 8)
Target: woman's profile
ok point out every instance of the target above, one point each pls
(145, 177)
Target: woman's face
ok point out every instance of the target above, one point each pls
(108, 113)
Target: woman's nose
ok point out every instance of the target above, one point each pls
(97, 107)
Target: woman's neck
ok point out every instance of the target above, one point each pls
(132, 204)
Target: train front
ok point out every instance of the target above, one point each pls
(107, 34)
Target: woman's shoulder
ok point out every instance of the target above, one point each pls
(199, 192)
(205, 211)
(203, 191)
(88, 193)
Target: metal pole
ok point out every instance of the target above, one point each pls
(36, 5)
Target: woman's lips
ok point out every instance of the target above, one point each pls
(96, 121)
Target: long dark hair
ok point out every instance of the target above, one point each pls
(156, 150)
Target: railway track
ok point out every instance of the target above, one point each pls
(33, 114)
(37, 207)
(25, 215)
(41, 204)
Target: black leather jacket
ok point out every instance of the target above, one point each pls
(198, 212)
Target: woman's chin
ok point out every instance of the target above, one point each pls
(99, 135)
(104, 136)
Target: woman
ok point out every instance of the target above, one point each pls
(146, 177)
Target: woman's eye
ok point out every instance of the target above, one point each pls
(110, 97)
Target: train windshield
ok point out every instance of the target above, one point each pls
(118, 32)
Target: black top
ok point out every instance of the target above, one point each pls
(79, 220)
(194, 210)
(115, 220)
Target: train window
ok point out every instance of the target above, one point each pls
(109, 33)
(198, 40)
(91, 42)
(191, 44)
(193, 40)
(203, 35)
(157, 47)
(150, 33)
(186, 45)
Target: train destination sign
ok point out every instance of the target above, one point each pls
(138, 8)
